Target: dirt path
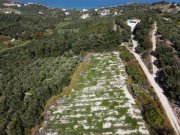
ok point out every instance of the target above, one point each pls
(153, 59)
(87, 58)
(114, 26)
(133, 25)
(159, 91)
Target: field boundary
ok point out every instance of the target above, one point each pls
(66, 90)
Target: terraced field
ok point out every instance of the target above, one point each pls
(99, 104)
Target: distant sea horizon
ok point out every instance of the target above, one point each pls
(89, 4)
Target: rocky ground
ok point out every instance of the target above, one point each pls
(99, 104)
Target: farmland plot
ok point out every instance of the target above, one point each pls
(99, 104)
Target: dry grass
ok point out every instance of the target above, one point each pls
(4, 38)
(66, 91)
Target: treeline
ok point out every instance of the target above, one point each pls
(106, 42)
(9, 25)
(163, 2)
(25, 90)
(97, 25)
(99, 35)
(168, 54)
(25, 27)
(123, 29)
(169, 29)
(145, 96)
(51, 46)
(142, 32)
(169, 74)
(32, 73)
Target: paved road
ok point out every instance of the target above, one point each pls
(159, 91)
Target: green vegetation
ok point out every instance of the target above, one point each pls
(39, 63)
(25, 27)
(167, 51)
(143, 29)
(169, 73)
(125, 54)
(97, 26)
(169, 29)
(141, 32)
(167, 54)
(153, 113)
(29, 77)
(96, 108)
(33, 68)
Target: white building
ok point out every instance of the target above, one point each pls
(41, 13)
(85, 16)
(84, 10)
(96, 9)
(12, 40)
(115, 12)
(18, 5)
(17, 12)
(67, 13)
(166, 19)
(11, 4)
(132, 23)
(10, 10)
(7, 12)
(105, 12)
(31, 3)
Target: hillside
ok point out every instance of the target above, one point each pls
(99, 104)
(42, 48)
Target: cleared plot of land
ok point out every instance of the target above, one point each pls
(99, 104)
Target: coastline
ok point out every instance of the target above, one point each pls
(70, 4)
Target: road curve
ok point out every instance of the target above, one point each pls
(159, 91)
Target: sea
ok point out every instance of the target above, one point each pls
(89, 4)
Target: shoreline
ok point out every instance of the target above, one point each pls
(76, 6)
